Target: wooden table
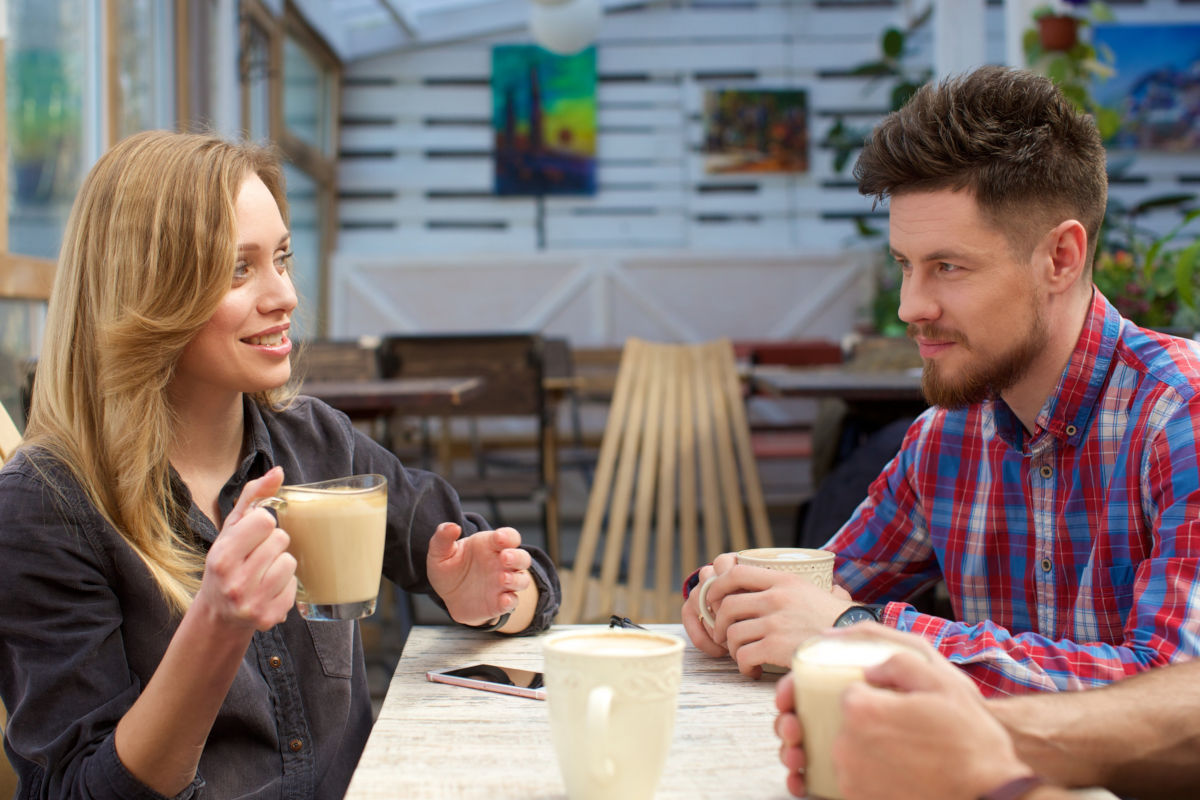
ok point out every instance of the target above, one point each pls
(381, 397)
(848, 384)
(437, 741)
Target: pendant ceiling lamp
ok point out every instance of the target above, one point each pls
(564, 26)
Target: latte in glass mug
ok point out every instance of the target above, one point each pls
(337, 531)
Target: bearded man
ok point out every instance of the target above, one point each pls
(1054, 482)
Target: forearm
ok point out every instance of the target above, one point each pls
(160, 739)
(1139, 736)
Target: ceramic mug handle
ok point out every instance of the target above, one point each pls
(599, 711)
(702, 599)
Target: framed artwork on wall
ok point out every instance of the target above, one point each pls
(755, 130)
(1156, 88)
(543, 121)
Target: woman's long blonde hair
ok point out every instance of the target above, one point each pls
(149, 252)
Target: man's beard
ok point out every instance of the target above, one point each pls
(980, 380)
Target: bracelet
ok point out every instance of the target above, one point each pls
(495, 626)
(1014, 789)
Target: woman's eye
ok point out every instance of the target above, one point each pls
(241, 269)
(284, 260)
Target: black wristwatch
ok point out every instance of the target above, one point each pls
(859, 613)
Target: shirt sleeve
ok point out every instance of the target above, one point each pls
(1162, 592)
(884, 550)
(64, 675)
(419, 501)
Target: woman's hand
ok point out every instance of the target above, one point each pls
(249, 577)
(478, 577)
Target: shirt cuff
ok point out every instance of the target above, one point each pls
(117, 781)
(545, 577)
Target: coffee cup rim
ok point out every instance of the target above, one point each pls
(671, 643)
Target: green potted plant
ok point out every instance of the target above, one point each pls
(41, 118)
(1152, 278)
(1070, 60)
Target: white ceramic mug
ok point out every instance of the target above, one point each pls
(611, 696)
(822, 668)
(815, 566)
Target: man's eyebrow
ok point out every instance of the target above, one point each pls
(936, 255)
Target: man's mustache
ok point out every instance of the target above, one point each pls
(934, 333)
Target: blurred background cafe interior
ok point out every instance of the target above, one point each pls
(602, 263)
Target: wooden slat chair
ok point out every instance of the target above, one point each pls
(10, 439)
(676, 449)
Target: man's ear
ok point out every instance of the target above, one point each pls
(1066, 250)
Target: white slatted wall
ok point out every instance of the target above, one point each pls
(416, 172)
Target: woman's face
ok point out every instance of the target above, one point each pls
(244, 347)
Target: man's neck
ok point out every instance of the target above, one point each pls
(1028, 396)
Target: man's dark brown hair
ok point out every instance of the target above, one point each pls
(1010, 137)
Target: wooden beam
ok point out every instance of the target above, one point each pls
(25, 277)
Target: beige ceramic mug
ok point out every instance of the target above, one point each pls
(337, 531)
(816, 566)
(822, 668)
(612, 696)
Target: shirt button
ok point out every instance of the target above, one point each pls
(1047, 565)
(1047, 471)
(1071, 430)
(275, 661)
(295, 745)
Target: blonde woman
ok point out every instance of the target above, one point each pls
(149, 645)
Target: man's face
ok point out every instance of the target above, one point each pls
(973, 309)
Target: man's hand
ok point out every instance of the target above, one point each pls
(697, 631)
(763, 615)
(477, 577)
(915, 714)
(249, 577)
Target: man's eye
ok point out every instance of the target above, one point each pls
(944, 267)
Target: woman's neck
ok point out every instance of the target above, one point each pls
(206, 447)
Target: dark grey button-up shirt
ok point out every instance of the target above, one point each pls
(83, 627)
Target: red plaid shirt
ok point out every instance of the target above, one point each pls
(1070, 554)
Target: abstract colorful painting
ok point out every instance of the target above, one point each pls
(756, 130)
(543, 121)
(1157, 85)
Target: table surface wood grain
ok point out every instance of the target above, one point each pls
(433, 740)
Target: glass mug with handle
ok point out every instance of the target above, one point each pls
(337, 530)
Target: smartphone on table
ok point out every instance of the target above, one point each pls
(493, 678)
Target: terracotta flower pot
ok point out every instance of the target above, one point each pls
(1058, 32)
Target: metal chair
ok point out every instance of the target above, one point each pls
(676, 449)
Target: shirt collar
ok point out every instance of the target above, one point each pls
(1069, 408)
(257, 461)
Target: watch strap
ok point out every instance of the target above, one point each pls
(1014, 789)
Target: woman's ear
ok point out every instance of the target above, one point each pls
(1066, 247)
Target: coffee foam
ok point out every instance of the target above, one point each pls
(847, 653)
(614, 644)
